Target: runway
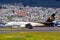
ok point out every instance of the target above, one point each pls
(35, 29)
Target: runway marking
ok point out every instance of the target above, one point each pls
(36, 29)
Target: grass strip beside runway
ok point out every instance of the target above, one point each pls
(31, 36)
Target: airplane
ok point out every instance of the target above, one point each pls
(2, 25)
(48, 23)
(58, 24)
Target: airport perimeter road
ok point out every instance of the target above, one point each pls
(35, 29)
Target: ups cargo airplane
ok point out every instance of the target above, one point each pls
(49, 22)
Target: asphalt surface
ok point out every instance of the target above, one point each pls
(35, 29)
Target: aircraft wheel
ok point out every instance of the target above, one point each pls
(29, 26)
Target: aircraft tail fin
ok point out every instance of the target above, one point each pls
(51, 18)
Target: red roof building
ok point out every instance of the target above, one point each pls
(21, 13)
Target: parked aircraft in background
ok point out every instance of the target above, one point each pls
(2, 25)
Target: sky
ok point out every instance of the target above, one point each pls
(46, 3)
